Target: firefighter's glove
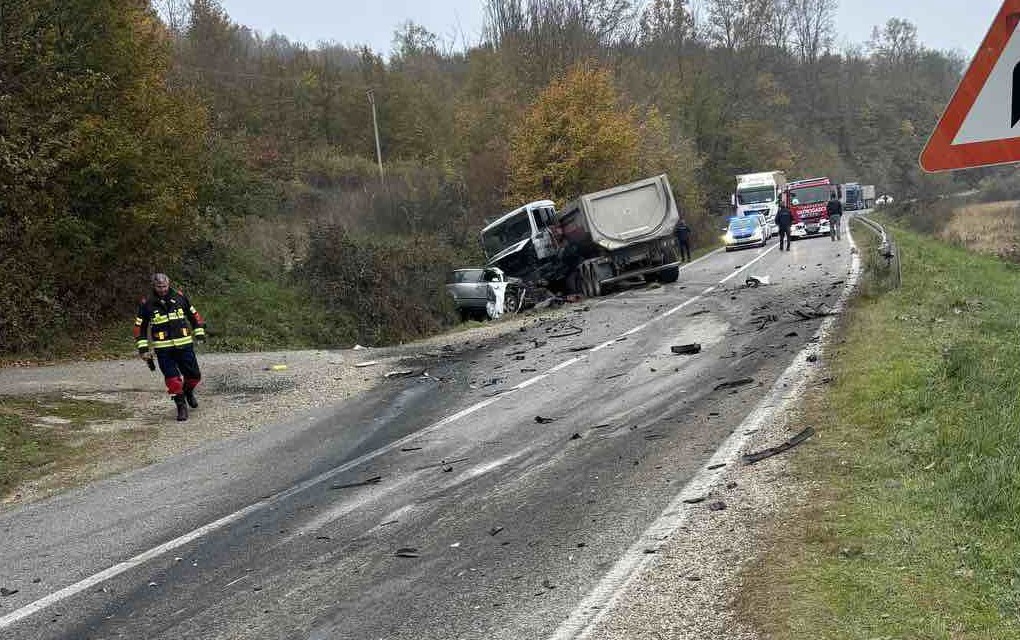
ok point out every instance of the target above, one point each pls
(200, 338)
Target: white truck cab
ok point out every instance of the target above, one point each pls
(758, 194)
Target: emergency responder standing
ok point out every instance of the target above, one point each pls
(168, 323)
(784, 220)
(683, 238)
(834, 209)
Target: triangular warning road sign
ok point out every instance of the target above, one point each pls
(979, 126)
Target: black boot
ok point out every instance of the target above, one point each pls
(182, 408)
(189, 395)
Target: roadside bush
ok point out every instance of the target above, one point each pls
(391, 288)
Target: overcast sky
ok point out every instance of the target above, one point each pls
(941, 24)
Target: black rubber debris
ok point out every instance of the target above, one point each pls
(686, 349)
(730, 384)
(375, 480)
(758, 456)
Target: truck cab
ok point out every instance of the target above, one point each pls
(759, 194)
(806, 200)
(853, 198)
(523, 241)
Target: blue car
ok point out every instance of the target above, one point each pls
(746, 231)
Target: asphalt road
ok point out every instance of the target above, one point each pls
(483, 502)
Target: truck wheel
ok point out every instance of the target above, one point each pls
(582, 278)
(593, 288)
(669, 275)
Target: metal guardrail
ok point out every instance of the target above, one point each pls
(886, 249)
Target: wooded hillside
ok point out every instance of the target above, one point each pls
(136, 138)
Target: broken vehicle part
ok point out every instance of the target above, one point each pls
(733, 383)
(751, 458)
(686, 349)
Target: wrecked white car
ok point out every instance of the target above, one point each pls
(484, 293)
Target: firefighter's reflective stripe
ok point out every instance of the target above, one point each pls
(142, 344)
(173, 342)
(159, 318)
(200, 331)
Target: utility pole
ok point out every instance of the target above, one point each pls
(375, 125)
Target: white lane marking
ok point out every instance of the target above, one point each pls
(528, 383)
(734, 274)
(180, 541)
(605, 344)
(601, 600)
(635, 329)
(565, 364)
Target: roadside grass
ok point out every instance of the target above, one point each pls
(910, 527)
(989, 227)
(31, 448)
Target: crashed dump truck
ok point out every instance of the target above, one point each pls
(595, 241)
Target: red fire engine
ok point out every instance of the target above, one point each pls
(806, 200)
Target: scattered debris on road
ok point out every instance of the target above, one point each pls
(575, 331)
(757, 281)
(764, 320)
(275, 367)
(403, 373)
(447, 465)
(544, 420)
(695, 500)
(5, 592)
(583, 347)
(751, 458)
(686, 349)
(368, 363)
(493, 531)
(718, 505)
(576, 436)
(362, 483)
(407, 552)
(730, 384)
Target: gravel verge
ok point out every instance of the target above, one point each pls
(240, 392)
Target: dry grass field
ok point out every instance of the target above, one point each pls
(992, 228)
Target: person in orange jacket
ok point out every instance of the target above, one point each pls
(168, 324)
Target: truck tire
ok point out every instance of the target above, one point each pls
(593, 288)
(669, 275)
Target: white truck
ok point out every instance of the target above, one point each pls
(596, 240)
(868, 195)
(758, 194)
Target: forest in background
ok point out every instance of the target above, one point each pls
(137, 137)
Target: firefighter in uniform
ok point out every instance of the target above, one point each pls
(169, 324)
